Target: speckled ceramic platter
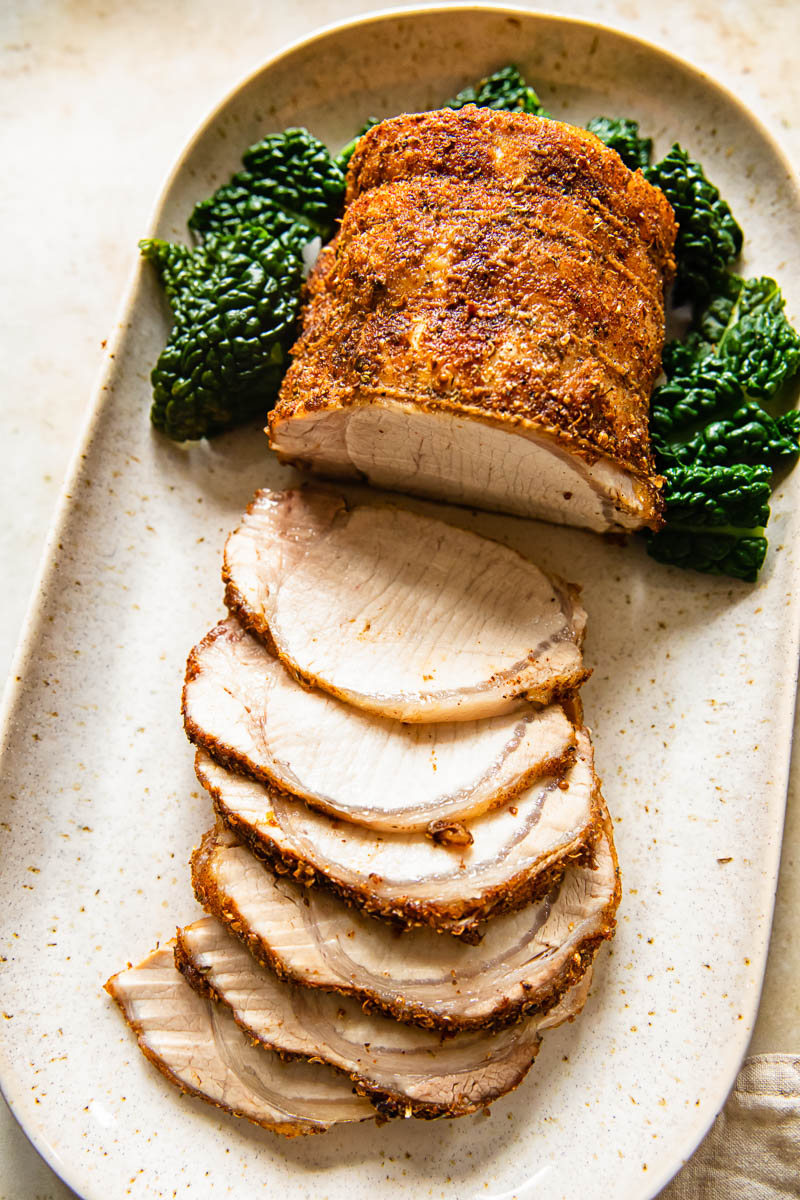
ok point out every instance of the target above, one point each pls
(691, 703)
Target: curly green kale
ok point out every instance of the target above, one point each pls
(290, 184)
(715, 519)
(622, 135)
(746, 328)
(734, 496)
(506, 90)
(743, 348)
(702, 389)
(708, 236)
(713, 441)
(750, 435)
(714, 553)
(235, 301)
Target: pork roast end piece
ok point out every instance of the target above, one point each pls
(486, 328)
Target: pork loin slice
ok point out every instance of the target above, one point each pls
(400, 614)
(199, 1047)
(404, 1071)
(499, 863)
(250, 714)
(525, 962)
(487, 325)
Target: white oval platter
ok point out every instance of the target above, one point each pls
(691, 703)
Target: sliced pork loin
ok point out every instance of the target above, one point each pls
(199, 1047)
(402, 615)
(250, 714)
(498, 863)
(402, 1070)
(524, 964)
(487, 326)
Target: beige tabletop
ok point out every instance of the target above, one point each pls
(96, 99)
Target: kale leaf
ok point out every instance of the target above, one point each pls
(713, 441)
(505, 89)
(235, 301)
(700, 390)
(747, 327)
(702, 496)
(741, 350)
(622, 135)
(714, 553)
(708, 236)
(289, 184)
(750, 435)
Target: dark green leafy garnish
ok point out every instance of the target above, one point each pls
(709, 239)
(505, 89)
(749, 435)
(742, 350)
(289, 182)
(734, 496)
(235, 301)
(714, 553)
(745, 327)
(622, 135)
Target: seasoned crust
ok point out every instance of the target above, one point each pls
(460, 144)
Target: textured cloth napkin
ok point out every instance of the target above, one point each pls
(752, 1151)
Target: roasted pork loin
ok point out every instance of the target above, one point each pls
(404, 1071)
(498, 863)
(487, 326)
(199, 1047)
(400, 614)
(250, 714)
(525, 962)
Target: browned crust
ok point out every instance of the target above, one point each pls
(463, 919)
(388, 1103)
(290, 1129)
(391, 1105)
(506, 1013)
(227, 756)
(457, 144)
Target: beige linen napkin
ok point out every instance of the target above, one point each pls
(752, 1151)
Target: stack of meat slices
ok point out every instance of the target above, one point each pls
(412, 866)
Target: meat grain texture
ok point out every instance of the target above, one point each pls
(487, 325)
